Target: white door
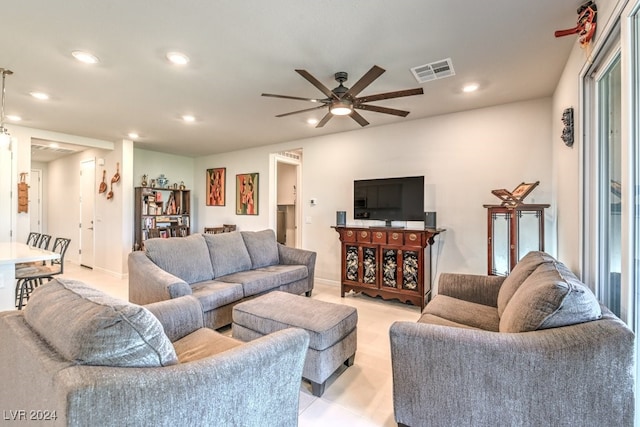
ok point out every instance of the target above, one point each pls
(35, 200)
(87, 205)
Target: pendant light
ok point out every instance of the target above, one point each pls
(5, 137)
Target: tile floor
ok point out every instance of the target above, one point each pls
(358, 396)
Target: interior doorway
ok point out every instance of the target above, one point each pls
(87, 212)
(35, 200)
(288, 181)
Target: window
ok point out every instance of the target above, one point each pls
(603, 177)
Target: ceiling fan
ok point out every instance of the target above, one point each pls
(344, 101)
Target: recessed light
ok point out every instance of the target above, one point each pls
(13, 118)
(178, 58)
(471, 87)
(85, 57)
(312, 121)
(133, 135)
(40, 95)
(54, 145)
(188, 118)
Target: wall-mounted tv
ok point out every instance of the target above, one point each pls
(389, 199)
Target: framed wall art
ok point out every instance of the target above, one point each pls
(216, 184)
(247, 194)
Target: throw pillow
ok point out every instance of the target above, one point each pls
(262, 247)
(228, 253)
(89, 327)
(518, 275)
(549, 298)
(185, 257)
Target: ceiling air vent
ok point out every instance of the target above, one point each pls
(433, 71)
(48, 148)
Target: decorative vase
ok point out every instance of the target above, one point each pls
(162, 180)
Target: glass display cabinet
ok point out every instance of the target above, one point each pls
(513, 232)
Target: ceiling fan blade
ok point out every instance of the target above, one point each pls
(358, 118)
(389, 95)
(364, 81)
(301, 111)
(294, 97)
(378, 109)
(324, 120)
(316, 83)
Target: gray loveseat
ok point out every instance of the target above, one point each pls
(532, 349)
(220, 270)
(75, 356)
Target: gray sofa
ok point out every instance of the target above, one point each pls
(220, 270)
(532, 349)
(75, 356)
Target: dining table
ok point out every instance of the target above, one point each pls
(12, 253)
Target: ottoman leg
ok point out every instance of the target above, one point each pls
(317, 389)
(349, 361)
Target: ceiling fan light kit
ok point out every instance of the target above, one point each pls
(343, 101)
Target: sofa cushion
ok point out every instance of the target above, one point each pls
(262, 247)
(202, 343)
(253, 281)
(184, 257)
(468, 313)
(213, 294)
(518, 275)
(549, 298)
(228, 253)
(89, 327)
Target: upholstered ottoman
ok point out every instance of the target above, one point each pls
(331, 328)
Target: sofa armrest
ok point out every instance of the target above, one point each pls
(471, 287)
(295, 256)
(251, 384)
(149, 283)
(178, 316)
(582, 373)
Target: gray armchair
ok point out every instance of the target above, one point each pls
(77, 357)
(463, 364)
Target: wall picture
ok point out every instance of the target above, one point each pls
(216, 184)
(247, 194)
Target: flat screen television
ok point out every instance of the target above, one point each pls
(389, 199)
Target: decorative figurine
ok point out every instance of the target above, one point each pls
(162, 180)
(144, 181)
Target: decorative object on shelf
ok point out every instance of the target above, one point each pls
(515, 197)
(247, 194)
(23, 194)
(567, 131)
(103, 184)
(162, 181)
(182, 186)
(216, 185)
(144, 181)
(153, 183)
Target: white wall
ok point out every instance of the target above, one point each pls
(463, 156)
(567, 167)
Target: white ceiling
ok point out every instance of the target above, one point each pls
(240, 49)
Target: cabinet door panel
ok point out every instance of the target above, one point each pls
(410, 270)
(389, 267)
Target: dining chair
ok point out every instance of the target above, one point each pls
(29, 278)
(43, 241)
(32, 239)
